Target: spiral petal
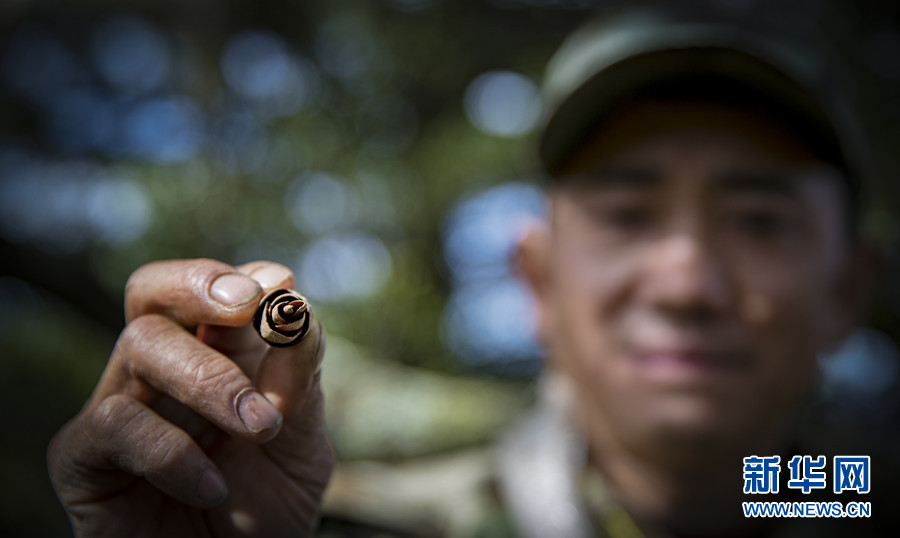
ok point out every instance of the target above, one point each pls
(282, 318)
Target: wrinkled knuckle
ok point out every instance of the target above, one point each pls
(63, 451)
(134, 283)
(139, 328)
(110, 416)
(136, 276)
(201, 272)
(210, 376)
(107, 424)
(169, 449)
(142, 331)
(54, 448)
(58, 446)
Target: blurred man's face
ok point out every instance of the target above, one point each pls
(693, 275)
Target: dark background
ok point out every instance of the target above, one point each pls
(380, 148)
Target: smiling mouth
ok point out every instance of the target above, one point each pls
(674, 354)
(688, 364)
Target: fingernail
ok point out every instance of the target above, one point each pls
(211, 487)
(271, 275)
(256, 412)
(233, 290)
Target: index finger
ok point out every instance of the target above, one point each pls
(191, 292)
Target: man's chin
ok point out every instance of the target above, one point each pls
(698, 427)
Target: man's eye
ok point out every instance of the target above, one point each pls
(623, 217)
(762, 224)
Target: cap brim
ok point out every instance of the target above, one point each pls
(687, 68)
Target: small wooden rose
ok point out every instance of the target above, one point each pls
(282, 318)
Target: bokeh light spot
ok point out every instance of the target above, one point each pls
(345, 267)
(503, 103)
(165, 129)
(318, 202)
(259, 67)
(490, 322)
(65, 205)
(490, 316)
(482, 230)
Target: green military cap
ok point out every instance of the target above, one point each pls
(610, 61)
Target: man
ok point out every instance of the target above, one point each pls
(701, 251)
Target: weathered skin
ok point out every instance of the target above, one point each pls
(148, 453)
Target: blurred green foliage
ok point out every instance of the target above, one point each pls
(384, 84)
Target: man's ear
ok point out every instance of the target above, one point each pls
(853, 290)
(531, 260)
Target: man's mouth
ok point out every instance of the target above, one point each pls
(681, 354)
(684, 363)
(687, 359)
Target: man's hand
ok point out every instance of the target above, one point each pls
(205, 433)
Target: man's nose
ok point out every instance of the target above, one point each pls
(686, 276)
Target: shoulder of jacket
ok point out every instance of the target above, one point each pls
(442, 495)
